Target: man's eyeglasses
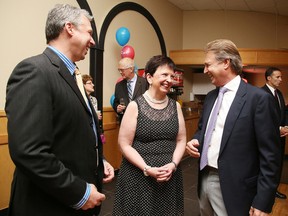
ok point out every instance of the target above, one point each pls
(121, 70)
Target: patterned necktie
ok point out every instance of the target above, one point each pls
(129, 87)
(276, 97)
(80, 85)
(210, 128)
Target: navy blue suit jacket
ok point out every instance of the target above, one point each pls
(249, 157)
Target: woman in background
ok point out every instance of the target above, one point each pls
(152, 139)
(89, 88)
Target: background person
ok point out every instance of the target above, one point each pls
(243, 157)
(152, 139)
(54, 137)
(89, 88)
(138, 86)
(273, 78)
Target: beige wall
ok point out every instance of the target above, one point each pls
(246, 29)
(23, 35)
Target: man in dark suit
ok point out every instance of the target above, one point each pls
(138, 85)
(273, 78)
(239, 172)
(54, 137)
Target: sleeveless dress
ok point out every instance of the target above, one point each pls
(155, 140)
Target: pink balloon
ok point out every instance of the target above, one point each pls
(127, 51)
(119, 79)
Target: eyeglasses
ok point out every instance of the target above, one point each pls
(121, 70)
(89, 83)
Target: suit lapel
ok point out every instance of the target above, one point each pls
(64, 72)
(137, 87)
(233, 114)
(125, 90)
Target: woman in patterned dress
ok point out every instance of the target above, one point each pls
(152, 139)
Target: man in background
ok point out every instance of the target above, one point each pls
(240, 163)
(131, 87)
(273, 78)
(53, 131)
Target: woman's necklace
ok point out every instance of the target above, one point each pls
(152, 100)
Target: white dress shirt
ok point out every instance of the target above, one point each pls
(214, 146)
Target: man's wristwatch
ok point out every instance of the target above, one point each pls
(145, 170)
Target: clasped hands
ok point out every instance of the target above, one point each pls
(162, 174)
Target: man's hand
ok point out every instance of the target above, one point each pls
(108, 172)
(256, 212)
(95, 198)
(192, 148)
(120, 108)
(283, 131)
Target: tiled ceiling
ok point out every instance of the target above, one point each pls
(279, 7)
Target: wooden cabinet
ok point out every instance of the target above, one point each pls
(6, 165)
(111, 129)
(191, 124)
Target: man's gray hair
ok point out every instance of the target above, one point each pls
(59, 16)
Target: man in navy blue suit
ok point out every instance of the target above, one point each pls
(242, 168)
(273, 78)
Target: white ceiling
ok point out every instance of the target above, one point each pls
(279, 7)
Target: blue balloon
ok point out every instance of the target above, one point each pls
(136, 69)
(112, 98)
(122, 36)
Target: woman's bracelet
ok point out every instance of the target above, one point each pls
(145, 170)
(174, 165)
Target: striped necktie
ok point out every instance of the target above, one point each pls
(129, 87)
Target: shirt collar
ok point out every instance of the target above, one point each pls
(68, 63)
(233, 84)
(133, 80)
(271, 88)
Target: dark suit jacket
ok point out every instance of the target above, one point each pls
(121, 91)
(51, 139)
(249, 156)
(281, 108)
(282, 118)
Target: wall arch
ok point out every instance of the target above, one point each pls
(96, 52)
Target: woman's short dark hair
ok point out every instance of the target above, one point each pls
(157, 61)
